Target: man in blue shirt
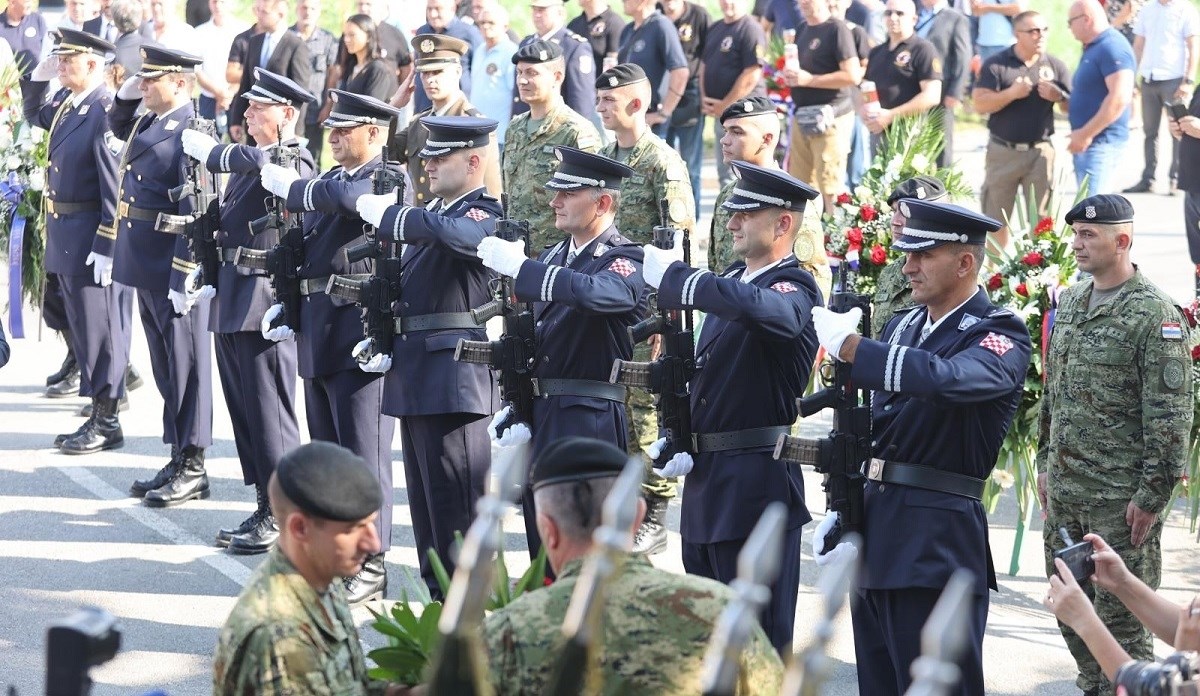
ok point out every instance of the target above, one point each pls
(440, 18)
(651, 41)
(492, 69)
(994, 25)
(1100, 96)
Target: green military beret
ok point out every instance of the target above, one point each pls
(329, 481)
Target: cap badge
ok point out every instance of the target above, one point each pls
(921, 192)
(543, 55)
(612, 81)
(1089, 212)
(748, 106)
(427, 46)
(904, 209)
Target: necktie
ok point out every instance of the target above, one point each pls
(571, 257)
(110, 32)
(925, 331)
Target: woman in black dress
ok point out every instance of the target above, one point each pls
(363, 71)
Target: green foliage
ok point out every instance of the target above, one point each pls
(24, 157)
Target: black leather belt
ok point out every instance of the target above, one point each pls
(1019, 147)
(125, 210)
(925, 477)
(61, 208)
(579, 387)
(435, 322)
(739, 439)
(313, 286)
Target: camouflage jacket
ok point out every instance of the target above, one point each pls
(656, 630)
(279, 639)
(1117, 410)
(892, 294)
(659, 175)
(529, 163)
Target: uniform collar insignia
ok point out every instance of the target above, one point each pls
(171, 124)
(967, 322)
(601, 248)
(84, 109)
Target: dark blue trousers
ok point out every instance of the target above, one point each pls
(346, 408)
(446, 460)
(181, 360)
(258, 378)
(887, 638)
(719, 562)
(101, 323)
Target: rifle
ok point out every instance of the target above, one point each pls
(840, 455)
(936, 671)
(202, 225)
(375, 293)
(668, 375)
(583, 624)
(281, 262)
(758, 566)
(811, 668)
(512, 355)
(459, 665)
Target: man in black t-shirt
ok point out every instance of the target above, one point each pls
(1187, 131)
(829, 66)
(1019, 87)
(906, 70)
(730, 69)
(686, 130)
(602, 28)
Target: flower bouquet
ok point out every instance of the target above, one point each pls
(1188, 486)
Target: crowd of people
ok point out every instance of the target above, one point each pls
(591, 130)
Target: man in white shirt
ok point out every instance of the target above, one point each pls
(215, 38)
(169, 29)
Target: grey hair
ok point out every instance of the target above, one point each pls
(575, 506)
(126, 15)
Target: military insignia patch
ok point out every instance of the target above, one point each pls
(612, 81)
(427, 46)
(84, 109)
(685, 33)
(996, 343)
(1172, 374)
(677, 210)
(1172, 331)
(598, 29)
(937, 64)
(171, 124)
(902, 58)
(785, 286)
(967, 322)
(921, 192)
(477, 215)
(1089, 212)
(622, 267)
(601, 248)
(543, 55)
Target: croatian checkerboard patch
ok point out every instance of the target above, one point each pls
(477, 215)
(785, 286)
(997, 343)
(622, 267)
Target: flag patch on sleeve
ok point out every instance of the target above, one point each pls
(997, 343)
(477, 215)
(622, 267)
(1172, 331)
(785, 286)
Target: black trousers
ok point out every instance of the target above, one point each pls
(181, 360)
(54, 308)
(101, 323)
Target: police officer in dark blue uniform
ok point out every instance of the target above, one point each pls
(343, 404)
(587, 291)
(258, 376)
(158, 263)
(753, 358)
(443, 427)
(579, 65)
(81, 194)
(947, 377)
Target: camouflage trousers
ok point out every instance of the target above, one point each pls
(642, 422)
(1145, 561)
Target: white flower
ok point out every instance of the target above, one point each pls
(920, 163)
(1003, 478)
(37, 179)
(861, 192)
(12, 163)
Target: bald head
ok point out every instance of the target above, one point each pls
(1086, 20)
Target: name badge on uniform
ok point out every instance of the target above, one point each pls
(84, 109)
(171, 124)
(967, 322)
(1172, 331)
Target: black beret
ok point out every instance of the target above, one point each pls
(620, 75)
(1105, 209)
(576, 459)
(537, 52)
(748, 106)
(329, 481)
(922, 188)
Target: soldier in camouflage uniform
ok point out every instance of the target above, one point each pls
(656, 624)
(892, 291)
(1115, 417)
(532, 136)
(283, 635)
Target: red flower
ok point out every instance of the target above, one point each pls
(878, 255)
(1043, 226)
(1196, 353)
(843, 198)
(854, 246)
(1022, 290)
(854, 236)
(1033, 258)
(780, 63)
(547, 581)
(1190, 312)
(868, 213)
(995, 281)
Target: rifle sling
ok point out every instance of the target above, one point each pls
(588, 388)
(435, 322)
(926, 477)
(739, 439)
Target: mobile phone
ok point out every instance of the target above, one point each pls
(1177, 109)
(1077, 556)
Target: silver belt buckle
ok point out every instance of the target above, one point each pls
(1021, 147)
(875, 469)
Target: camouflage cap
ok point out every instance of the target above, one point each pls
(329, 481)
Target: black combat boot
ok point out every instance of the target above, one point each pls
(102, 433)
(68, 385)
(68, 364)
(262, 535)
(264, 507)
(141, 487)
(60, 439)
(189, 482)
(369, 583)
(85, 411)
(651, 536)
(133, 380)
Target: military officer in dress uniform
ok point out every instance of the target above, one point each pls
(531, 139)
(892, 293)
(947, 377)
(343, 404)
(158, 264)
(438, 59)
(258, 376)
(81, 195)
(447, 451)
(587, 291)
(579, 67)
(753, 358)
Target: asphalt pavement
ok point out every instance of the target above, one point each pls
(70, 535)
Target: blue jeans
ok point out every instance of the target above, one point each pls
(859, 159)
(1096, 164)
(689, 141)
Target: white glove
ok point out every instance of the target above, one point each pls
(129, 89)
(824, 557)
(502, 257)
(101, 268)
(181, 302)
(380, 362)
(517, 433)
(679, 465)
(278, 180)
(833, 328)
(655, 261)
(279, 333)
(46, 70)
(194, 290)
(197, 145)
(371, 207)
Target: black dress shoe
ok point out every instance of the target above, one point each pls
(65, 387)
(651, 536)
(1140, 187)
(85, 411)
(189, 482)
(369, 583)
(102, 432)
(68, 366)
(260, 539)
(133, 380)
(141, 487)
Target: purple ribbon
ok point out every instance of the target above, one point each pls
(12, 191)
